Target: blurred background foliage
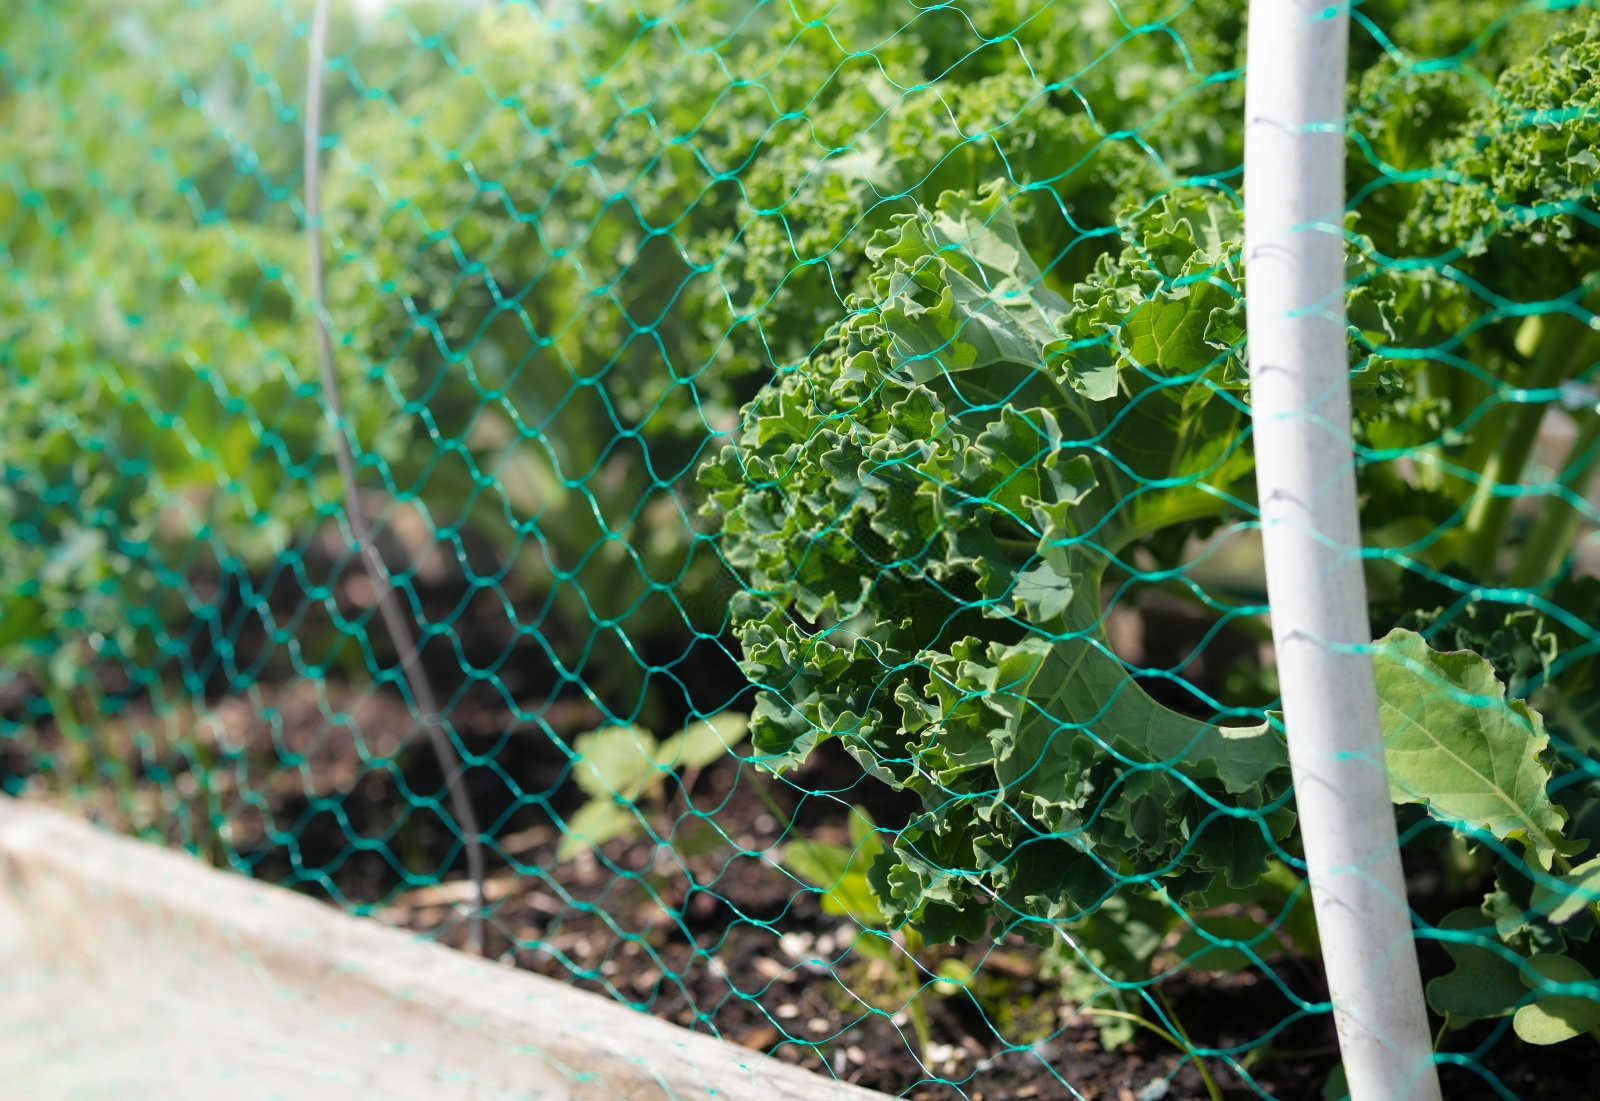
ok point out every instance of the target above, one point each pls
(551, 285)
(567, 244)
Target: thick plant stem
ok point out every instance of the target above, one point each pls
(1183, 1045)
(398, 626)
(1556, 525)
(1488, 512)
(919, 1021)
(77, 748)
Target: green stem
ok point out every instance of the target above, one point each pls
(1555, 527)
(919, 1018)
(205, 828)
(1188, 1047)
(1511, 439)
(77, 755)
(1459, 390)
(1182, 1045)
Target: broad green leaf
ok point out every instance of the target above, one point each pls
(1283, 895)
(876, 945)
(1171, 332)
(697, 837)
(1485, 980)
(1078, 683)
(1579, 889)
(821, 864)
(864, 836)
(702, 743)
(616, 761)
(1509, 907)
(1224, 942)
(992, 306)
(1297, 916)
(1042, 593)
(21, 617)
(1456, 745)
(596, 822)
(1088, 991)
(954, 976)
(1337, 1087)
(1553, 1018)
(839, 873)
(1122, 935)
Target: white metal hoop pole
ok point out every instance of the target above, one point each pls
(1300, 407)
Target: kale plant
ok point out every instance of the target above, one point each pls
(1485, 191)
(588, 243)
(1482, 195)
(924, 517)
(929, 511)
(163, 424)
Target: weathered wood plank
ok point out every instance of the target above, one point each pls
(127, 970)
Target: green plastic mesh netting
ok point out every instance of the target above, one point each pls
(801, 543)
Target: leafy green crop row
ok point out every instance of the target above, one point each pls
(162, 416)
(928, 514)
(912, 331)
(552, 284)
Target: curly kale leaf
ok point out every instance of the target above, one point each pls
(923, 516)
(1478, 183)
(585, 245)
(1521, 173)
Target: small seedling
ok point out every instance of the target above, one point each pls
(839, 874)
(624, 768)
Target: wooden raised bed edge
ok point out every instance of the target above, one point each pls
(127, 969)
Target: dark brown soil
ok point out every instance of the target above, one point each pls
(332, 791)
(693, 920)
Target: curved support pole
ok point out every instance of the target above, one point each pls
(394, 619)
(1300, 402)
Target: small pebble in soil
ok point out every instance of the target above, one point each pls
(1046, 1050)
(798, 946)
